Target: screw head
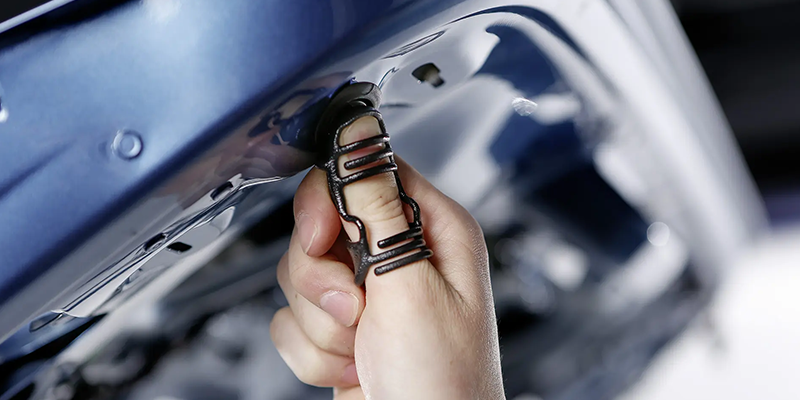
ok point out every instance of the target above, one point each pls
(127, 144)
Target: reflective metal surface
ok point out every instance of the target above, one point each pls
(197, 230)
(24, 11)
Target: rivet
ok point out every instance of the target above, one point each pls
(127, 144)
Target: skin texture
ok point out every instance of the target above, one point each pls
(424, 331)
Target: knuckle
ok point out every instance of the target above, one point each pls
(468, 223)
(279, 321)
(308, 374)
(475, 233)
(282, 272)
(312, 371)
(298, 200)
(334, 340)
(302, 275)
(472, 231)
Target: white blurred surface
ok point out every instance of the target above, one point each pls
(748, 345)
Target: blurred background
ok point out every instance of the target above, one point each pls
(749, 50)
(745, 345)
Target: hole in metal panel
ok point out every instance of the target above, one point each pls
(179, 247)
(154, 241)
(221, 190)
(429, 73)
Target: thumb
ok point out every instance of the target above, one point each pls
(376, 202)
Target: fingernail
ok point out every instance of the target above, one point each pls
(350, 375)
(307, 229)
(342, 306)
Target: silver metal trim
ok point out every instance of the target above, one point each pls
(121, 270)
(31, 14)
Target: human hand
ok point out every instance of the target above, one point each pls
(423, 331)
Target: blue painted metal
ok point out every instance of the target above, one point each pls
(181, 80)
(185, 75)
